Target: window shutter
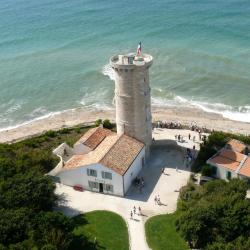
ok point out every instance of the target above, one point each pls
(88, 172)
(103, 175)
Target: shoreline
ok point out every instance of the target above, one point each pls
(83, 116)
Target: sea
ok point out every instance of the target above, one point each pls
(54, 54)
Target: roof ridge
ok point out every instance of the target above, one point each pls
(241, 165)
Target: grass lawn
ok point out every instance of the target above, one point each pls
(162, 235)
(109, 229)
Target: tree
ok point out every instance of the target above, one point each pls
(13, 225)
(33, 190)
(218, 208)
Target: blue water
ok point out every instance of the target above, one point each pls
(54, 54)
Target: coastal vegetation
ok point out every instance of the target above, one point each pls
(105, 123)
(162, 234)
(27, 196)
(215, 216)
(103, 230)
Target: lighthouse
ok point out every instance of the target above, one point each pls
(132, 95)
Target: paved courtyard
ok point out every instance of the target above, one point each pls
(166, 153)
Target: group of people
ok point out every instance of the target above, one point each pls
(177, 125)
(170, 125)
(140, 183)
(133, 212)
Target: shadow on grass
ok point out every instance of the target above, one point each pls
(81, 242)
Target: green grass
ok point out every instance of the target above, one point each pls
(109, 229)
(162, 235)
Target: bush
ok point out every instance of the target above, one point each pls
(107, 124)
(64, 131)
(78, 130)
(207, 170)
(51, 133)
(98, 122)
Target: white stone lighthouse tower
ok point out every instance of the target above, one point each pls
(132, 96)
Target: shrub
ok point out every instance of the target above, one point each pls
(207, 170)
(64, 131)
(98, 122)
(51, 133)
(78, 130)
(107, 124)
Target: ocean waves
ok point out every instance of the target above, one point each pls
(236, 113)
(163, 98)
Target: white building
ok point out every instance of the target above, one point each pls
(100, 161)
(104, 161)
(231, 161)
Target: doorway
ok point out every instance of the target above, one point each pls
(100, 187)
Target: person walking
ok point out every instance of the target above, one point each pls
(159, 200)
(139, 209)
(156, 200)
(134, 210)
(131, 215)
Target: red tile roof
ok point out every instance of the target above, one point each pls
(236, 145)
(224, 162)
(114, 152)
(232, 155)
(122, 154)
(93, 137)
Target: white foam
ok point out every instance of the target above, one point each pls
(50, 114)
(241, 113)
(108, 71)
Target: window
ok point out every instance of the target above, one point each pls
(91, 172)
(229, 175)
(109, 188)
(106, 175)
(93, 184)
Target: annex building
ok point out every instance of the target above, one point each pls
(100, 161)
(232, 161)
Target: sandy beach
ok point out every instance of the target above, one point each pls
(84, 116)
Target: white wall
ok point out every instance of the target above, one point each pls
(79, 176)
(221, 173)
(80, 149)
(134, 170)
